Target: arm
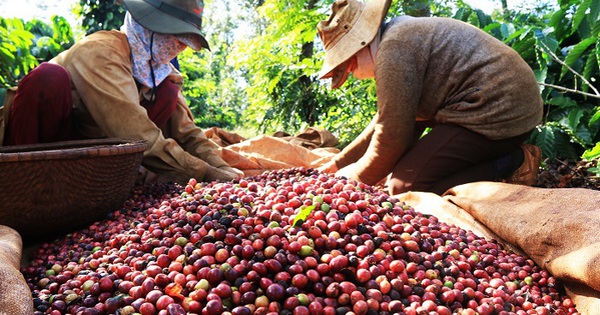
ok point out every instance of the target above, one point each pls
(355, 150)
(181, 127)
(399, 76)
(351, 153)
(101, 73)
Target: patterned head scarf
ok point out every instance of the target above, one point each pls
(151, 52)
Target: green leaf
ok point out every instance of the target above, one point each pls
(594, 170)
(492, 26)
(462, 14)
(584, 135)
(547, 40)
(483, 18)
(541, 74)
(593, 15)
(596, 117)
(522, 31)
(554, 141)
(504, 30)
(591, 68)
(526, 48)
(7, 53)
(543, 137)
(598, 49)
(557, 21)
(580, 13)
(303, 214)
(562, 102)
(575, 116)
(592, 154)
(576, 52)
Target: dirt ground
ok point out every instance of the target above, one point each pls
(556, 173)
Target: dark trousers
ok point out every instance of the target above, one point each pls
(452, 155)
(42, 110)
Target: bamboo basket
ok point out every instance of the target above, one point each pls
(54, 188)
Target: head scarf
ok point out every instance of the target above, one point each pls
(365, 60)
(151, 52)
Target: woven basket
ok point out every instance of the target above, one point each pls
(54, 188)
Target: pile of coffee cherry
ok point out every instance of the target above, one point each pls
(292, 241)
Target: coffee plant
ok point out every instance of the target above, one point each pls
(23, 45)
(563, 48)
(97, 15)
(558, 39)
(261, 73)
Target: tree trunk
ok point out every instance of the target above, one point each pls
(504, 6)
(308, 95)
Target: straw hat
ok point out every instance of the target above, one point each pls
(169, 16)
(352, 26)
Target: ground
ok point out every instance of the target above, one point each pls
(556, 173)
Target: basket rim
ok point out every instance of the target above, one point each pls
(74, 149)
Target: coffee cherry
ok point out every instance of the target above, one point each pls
(232, 248)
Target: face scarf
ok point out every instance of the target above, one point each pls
(365, 59)
(364, 67)
(151, 52)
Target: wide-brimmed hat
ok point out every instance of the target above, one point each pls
(351, 26)
(169, 16)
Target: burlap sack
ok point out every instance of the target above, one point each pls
(556, 227)
(311, 149)
(310, 138)
(15, 296)
(432, 204)
(223, 138)
(259, 154)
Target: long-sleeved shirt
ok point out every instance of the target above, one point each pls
(106, 103)
(447, 72)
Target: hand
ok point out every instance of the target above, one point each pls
(224, 172)
(347, 172)
(329, 167)
(236, 172)
(145, 176)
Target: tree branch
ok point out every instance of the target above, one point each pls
(555, 57)
(562, 88)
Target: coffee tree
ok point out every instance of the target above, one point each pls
(563, 48)
(100, 15)
(559, 42)
(23, 45)
(15, 56)
(261, 73)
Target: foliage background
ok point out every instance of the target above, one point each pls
(260, 76)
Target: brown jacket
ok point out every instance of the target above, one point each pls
(444, 71)
(106, 103)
